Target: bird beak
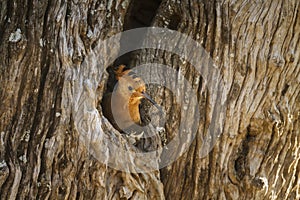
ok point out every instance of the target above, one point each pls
(144, 94)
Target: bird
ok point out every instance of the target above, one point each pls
(121, 107)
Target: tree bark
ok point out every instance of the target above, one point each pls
(55, 140)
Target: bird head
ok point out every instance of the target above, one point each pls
(131, 86)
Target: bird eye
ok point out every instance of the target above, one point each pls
(130, 88)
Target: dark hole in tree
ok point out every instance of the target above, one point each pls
(174, 23)
(139, 14)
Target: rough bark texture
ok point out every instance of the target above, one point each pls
(52, 136)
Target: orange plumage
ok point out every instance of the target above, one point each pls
(121, 107)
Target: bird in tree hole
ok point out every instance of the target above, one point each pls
(121, 107)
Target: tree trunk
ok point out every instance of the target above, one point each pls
(229, 87)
